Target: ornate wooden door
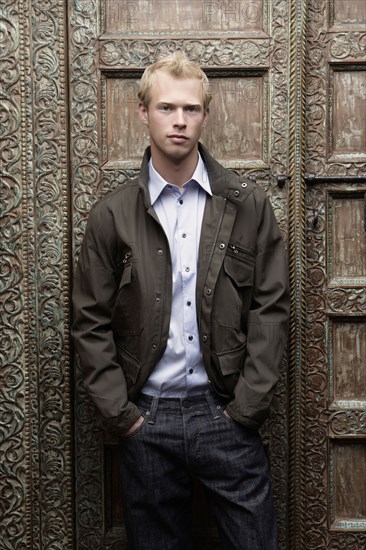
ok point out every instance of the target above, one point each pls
(289, 108)
(333, 405)
(243, 47)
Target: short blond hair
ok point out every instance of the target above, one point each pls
(179, 66)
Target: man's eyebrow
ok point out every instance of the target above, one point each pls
(173, 104)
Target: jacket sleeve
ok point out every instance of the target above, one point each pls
(267, 327)
(94, 294)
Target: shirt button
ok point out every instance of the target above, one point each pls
(189, 304)
(204, 338)
(208, 291)
(181, 201)
(190, 371)
(188, 269)
(190, 338)
(160, 252)
(184, 235)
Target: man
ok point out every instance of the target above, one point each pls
(181, 307)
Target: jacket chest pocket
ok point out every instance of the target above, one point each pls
(240, 271)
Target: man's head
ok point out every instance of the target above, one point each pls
(178, 66)
(174, 100)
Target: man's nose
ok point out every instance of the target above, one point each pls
(179, 118)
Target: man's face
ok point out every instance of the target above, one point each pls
(175, 117)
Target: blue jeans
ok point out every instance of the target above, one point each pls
(182, 439)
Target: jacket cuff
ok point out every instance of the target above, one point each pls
(119, 425)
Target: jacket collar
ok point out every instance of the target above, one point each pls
(223, 182)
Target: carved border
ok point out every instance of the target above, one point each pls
(36, 431)
(297, 258)
(86, 187)
(50, 325)
(119, 53)
(14, 379)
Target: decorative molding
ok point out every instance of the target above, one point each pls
(35, 405)
(346, 300)
(120, 53)
(297, 259)
(50, 325)
(14, 432)
(87, 186)
(348, 423)
(348, 46)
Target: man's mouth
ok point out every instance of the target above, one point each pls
(178, 138)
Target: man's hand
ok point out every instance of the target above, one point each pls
(134, 426)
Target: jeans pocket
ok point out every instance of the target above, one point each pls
(136, 432)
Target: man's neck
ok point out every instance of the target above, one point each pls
(177, 173)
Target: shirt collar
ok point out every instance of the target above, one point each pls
(157, 183)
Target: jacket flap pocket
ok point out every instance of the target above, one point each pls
(126, 276)
(239, 270)
(231, 361)
(130, 365)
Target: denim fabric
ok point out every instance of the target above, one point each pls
(182, 439)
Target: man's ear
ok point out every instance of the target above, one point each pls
(205, 117)
(143, 113)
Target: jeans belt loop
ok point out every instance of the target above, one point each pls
(212, 405)
(153, 410)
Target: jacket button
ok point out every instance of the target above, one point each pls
(160, 252)
(236, 193)
(154, 346)
(208, 291)
(204, 338)
(222, 246)
(244, 184)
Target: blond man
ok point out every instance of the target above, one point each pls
(181, 308)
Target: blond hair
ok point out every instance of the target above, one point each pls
(179, 66)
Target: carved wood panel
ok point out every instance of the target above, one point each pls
(335, 394)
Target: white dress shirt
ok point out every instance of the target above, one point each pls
(181, 372)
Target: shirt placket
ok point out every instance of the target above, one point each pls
(186, 235)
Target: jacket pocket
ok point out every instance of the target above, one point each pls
(130, 365)
(127, 317)
(126, 276)
(231, 363)
(240, 269)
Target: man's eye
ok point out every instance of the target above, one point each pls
(165, 107)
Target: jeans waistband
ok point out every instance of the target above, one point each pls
(152, 403)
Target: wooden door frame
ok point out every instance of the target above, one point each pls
(38, 446)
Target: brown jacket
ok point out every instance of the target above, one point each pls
(122, 297)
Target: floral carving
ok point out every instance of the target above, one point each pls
(140, 53)
(345, 45)
(348, 423)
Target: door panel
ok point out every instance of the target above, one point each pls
(243, 48)
(335, 396)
